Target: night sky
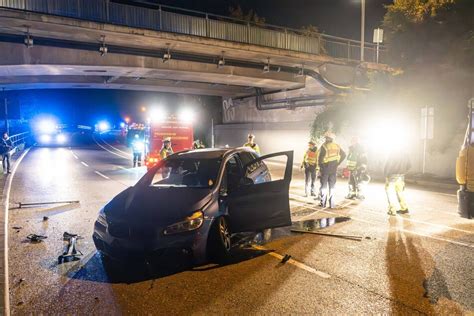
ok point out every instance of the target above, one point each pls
(334, 17)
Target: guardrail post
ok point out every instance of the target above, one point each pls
(161, 18)
(207, 25)
(287, 44)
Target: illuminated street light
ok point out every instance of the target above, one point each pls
(127, 119)
(158, 114)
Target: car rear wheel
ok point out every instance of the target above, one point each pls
(219, 242)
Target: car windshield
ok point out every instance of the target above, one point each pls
(187, 172)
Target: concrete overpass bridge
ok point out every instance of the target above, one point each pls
(106, 44)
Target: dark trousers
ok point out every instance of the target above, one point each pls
(354, 188)
(137, 159)
(6, 162)
(309, 179)
(328, 183)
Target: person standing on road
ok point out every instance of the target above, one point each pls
(310, 164)
(396, 166)
(166, 150)
(5, 147)
(357, 166)
(251, 143)
(138, 147)
(330, 157)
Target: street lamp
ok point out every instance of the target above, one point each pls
(362, 29)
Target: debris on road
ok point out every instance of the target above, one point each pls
(34, 238)
(70, 252)
(17, 227)
(45, 218)
(285, 258)
(20, 204)
(350, 237)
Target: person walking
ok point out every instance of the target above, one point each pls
(330, 157)
(396, 166)
(310, 164)
(251, 143)
(137, 147)
(6, 146)
(357, 166)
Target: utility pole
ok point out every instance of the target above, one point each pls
(362, 29)
(5, 105)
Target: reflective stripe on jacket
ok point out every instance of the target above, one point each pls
(253, 146)
(165, 152)
(311, 157)
(333, 152)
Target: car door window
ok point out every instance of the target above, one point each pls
(267, 170)
(233, 174)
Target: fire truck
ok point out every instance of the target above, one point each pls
(180, 132)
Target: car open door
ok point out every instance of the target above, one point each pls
(262, 198)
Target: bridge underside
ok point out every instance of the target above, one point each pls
(65, 54)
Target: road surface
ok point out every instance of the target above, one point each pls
(418, 263)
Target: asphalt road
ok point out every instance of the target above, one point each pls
(417, 263)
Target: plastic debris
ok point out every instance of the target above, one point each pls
(45, 218)
(70, 253)
(34, 238)
(285, 258)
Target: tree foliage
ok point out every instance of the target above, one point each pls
(249, 16)
(430, 31)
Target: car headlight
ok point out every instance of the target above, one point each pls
(102, 219)
(190, 223)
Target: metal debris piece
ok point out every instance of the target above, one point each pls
(350, 237)
(285, 258)
(45, 218)
(35, 238)
(20, 204)
(17, 227)
(70, 252)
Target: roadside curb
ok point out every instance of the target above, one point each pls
(6, 186)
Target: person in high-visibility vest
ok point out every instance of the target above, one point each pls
(166, 151)
(137, 148)
(357, 166)
(251, 143)
(310, 164)
(330, 157)
(396, 166)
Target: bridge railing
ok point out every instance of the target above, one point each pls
(182, 21)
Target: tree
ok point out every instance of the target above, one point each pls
(250, 16)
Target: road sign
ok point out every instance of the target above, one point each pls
(427, 123)
(378, 36)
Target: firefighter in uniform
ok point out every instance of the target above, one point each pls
(251, 143)
(137, 147)
(396, 166)
(198, 144)
(310, 164)
(166, 151)
(330, 157)
(357, 166)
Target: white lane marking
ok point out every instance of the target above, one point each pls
(102, 175)
(460, 243)
(84, 164)
(6, 293)
(106, 149)
(74, 155)
(294, 262)
(115, 148)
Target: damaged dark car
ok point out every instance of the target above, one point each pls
(197, 201)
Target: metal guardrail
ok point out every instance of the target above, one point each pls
(182, 21)
(19, 139)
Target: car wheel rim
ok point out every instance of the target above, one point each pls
(225, 235)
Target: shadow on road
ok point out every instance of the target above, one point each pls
(104, 270)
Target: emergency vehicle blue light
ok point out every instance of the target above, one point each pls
(104, 126)
(47, 126)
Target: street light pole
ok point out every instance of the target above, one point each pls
(6, 111)
(362, 29)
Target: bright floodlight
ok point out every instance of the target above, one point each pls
(47, 126)
(158, 114)
(388, 135)
(122, 124)
(186, 115)
(104, 126)
(61, 138)
(45, 138)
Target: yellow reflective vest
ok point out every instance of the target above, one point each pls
(253, 146)
(333, 152)
(311, 157)
(164, 152)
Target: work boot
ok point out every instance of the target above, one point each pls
(403, 211)
(312, 193)
(360, 197)
(350, 196)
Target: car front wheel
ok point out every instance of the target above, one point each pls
(219, 242)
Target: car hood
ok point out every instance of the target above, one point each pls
(160, 206)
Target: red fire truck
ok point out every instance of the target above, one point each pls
(180, 132)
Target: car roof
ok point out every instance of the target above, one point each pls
(208, 153)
